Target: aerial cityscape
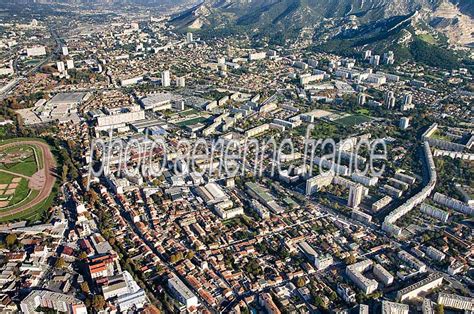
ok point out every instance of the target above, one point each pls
(237, 156)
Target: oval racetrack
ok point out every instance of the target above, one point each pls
(43, 180)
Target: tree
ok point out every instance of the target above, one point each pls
(88, 302)
(179, 256)
(173, 259)
(73, 173)
(318, 301)
(83, 255)
(94, 197)
(426, 237)
(11, 239)
(60, 263)
(244, 310)
(85, 287)
(98, 302)
(159, 268)
(190, 255)
(65, 173)
(376, 295)
(300, 282)
(440, 309)
(350, 259)
(284, 253)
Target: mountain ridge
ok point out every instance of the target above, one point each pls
(297, 16)
(102, 2)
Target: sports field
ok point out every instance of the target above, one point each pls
(353, 120)
(26, 179)
(20, 159)
(191, 121)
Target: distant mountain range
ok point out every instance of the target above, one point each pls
(361, 21)
(107, 2)
(408, 27)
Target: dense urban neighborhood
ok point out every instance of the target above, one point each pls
(154, 163)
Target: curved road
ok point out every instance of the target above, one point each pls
(49, 165)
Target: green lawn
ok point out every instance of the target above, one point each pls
(37, 212)
(21, 192)
(16, 149)
(353, 120)
(191, 121)
(440, 136)
(32, 214)
(39, 155)
(321, 130)
(290, 202)
(363, 111)
(24, 139)
(5, 178)
(27, 166)
(428, 38)
(40, 161)
(21, 202)
(32, 61)
(188, 112)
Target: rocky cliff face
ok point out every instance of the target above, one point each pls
(455, 21)
(452, 17)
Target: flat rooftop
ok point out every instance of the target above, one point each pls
(68, 98)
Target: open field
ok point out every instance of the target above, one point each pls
(32, 213)
(188, 112)
(363, 111)
(22, 191)
(191, 121)
(26, 179)
(26, 166)
(13, 190)
(5, 178)
(438, 135)
(428, 38)
(353, 120)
